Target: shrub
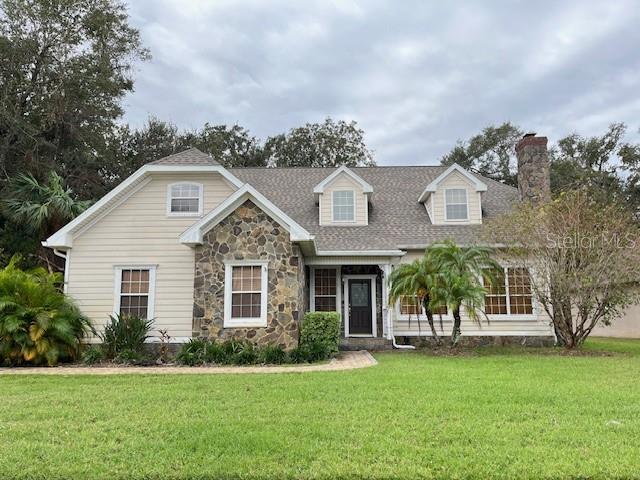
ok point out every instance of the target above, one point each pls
(125, 332)
(298, 355)
(246, 355)
(273, 354)
(130, 356)
(215, 353)
(92, 355)
(193, 352)
(320, 334)
(38, 323)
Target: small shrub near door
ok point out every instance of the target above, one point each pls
(320, 334)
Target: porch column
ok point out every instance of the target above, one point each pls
(386, 311)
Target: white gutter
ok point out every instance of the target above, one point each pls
(65, 256)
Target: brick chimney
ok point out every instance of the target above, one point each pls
(534, 183)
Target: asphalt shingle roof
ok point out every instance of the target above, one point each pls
(396, 218)
(190, 157)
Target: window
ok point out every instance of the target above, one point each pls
(520, 291)
(495, 300)
(245, 294)
(456, 204)
(511, 293)
(184, 199)
(135, 291)
(409, 305)
(325, 290)
(343, 206)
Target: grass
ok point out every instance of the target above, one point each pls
(511, 414)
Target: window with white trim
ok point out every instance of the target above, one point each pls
(511, 293)
(184, 199)
(456, 205)
(325, 289)
(245, 294)
(135, 287)
(344, 206)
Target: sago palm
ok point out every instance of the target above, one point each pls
(416, 279)
(38, 324)
(459, 284)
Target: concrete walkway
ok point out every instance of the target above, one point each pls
(344, 361)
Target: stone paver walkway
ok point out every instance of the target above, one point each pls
(344, 361)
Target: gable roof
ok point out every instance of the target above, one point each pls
(433, 186)
(191, 156)
(63, 238)
(366, 188)
(194, 235)
(396, 218)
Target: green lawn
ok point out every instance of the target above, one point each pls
(492, 415)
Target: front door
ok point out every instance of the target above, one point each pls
(360, 307)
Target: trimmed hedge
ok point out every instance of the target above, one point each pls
(320, 334)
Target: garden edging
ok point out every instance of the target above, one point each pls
(344, 361)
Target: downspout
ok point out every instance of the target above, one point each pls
(64, 256)
(386, 269)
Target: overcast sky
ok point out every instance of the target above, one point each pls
(416, 76)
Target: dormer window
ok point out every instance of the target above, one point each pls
(184, 199)
(456, 204)
(343, 206)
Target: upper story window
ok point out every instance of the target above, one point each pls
(344, 206)
(184, 199)
(456, 205)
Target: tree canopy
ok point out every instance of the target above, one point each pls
(605, 161)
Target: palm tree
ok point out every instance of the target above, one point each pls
(459, 283)
(42, 208)
(416, 279)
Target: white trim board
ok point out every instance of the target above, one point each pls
(366, 188)
(433, 186)
(374, 304)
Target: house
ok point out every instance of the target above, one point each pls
(244, 252)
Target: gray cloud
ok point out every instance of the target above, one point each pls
(416, 76)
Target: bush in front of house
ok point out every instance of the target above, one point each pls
(38, 323)
(124, 337)
(93, 354)
(231, 352)
(320, 334)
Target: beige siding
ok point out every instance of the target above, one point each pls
(343, 182)
(506, 325)
(139, 232)
(627, 326)
(456, 180)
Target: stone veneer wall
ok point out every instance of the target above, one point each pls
(249, 234)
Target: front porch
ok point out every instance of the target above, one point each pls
(358, 293)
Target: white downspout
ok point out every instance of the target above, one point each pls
(386, 269)
(65, 256)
